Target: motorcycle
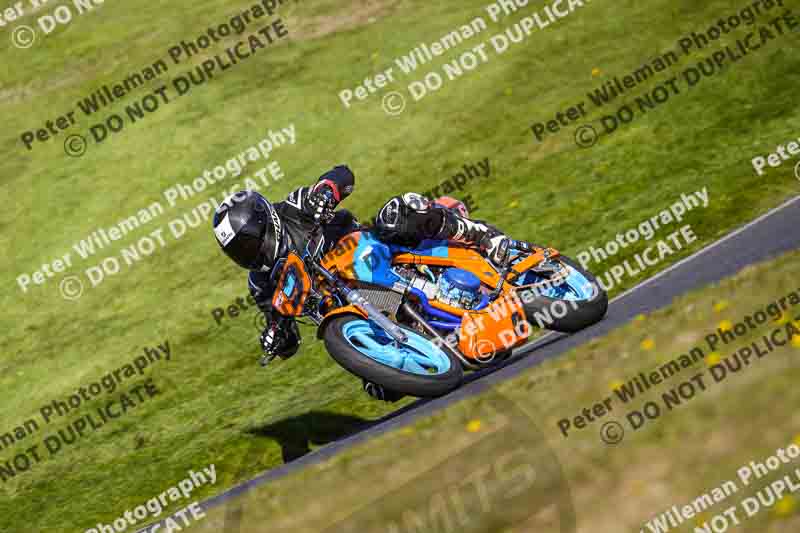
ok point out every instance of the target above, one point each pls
(414, 319)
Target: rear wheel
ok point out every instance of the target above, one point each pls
(416, 368)
(575, 302)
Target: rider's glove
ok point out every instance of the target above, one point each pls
(320, 203)
(279, 339)
(496, 247)
(332, 187)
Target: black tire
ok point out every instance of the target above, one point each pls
(421, 386)
(581, 313)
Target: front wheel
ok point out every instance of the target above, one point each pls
(575, 302)
(416, 368)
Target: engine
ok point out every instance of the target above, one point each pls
(452, 286)
(459, 288)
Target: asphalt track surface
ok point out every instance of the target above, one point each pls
(772, 234)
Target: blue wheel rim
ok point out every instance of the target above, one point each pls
(417, 356)
(575, 287)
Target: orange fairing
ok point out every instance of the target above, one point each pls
(293, 287)
(469, 259)
(346, 310)
(465, 258)
(500, 326)
(533, 260)
(341, 258)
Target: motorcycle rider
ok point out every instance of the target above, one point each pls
(256, 234)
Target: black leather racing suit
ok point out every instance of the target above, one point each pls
(299, 227)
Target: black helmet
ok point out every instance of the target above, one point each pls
(249, 231)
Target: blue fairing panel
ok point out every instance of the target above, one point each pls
(431, 248)
(372, 262)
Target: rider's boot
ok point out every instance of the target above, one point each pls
(380, 393)
(491, 241)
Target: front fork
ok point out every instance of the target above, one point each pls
(355, 298)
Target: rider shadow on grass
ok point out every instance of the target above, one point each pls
(296, 435)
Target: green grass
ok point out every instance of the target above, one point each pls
(217, 406)
(417, 475)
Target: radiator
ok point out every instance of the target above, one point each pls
(382, 298)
